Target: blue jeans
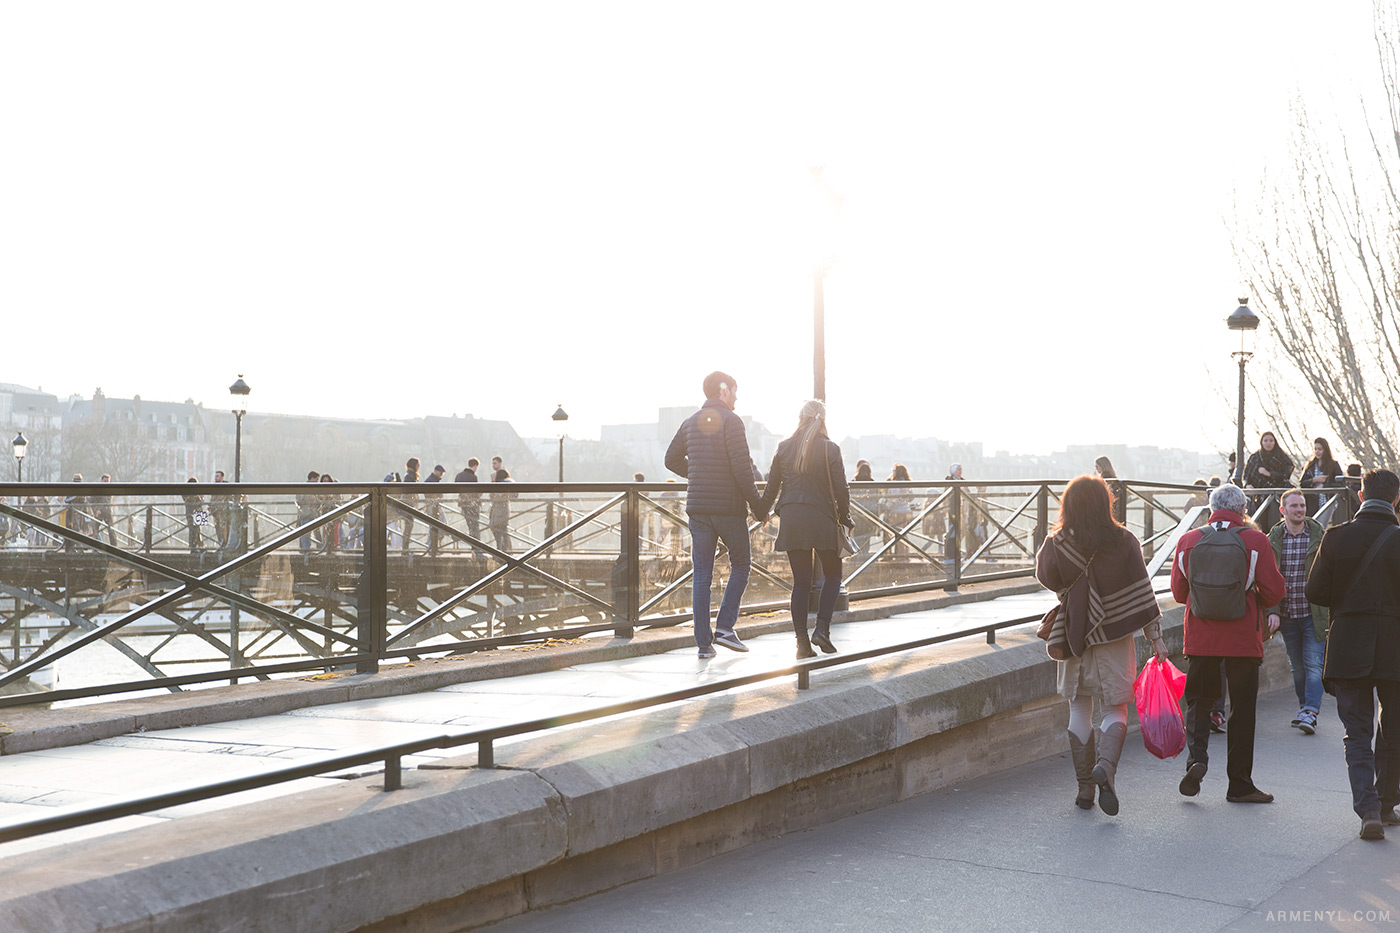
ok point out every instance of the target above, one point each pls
(1305, 658)
(706, 531)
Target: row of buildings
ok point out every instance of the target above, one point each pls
(140, 440)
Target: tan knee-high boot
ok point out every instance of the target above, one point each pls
(1110, 750)
(1083, 755)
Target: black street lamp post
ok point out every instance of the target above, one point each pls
(239, 390)
(1245, 321)
(20, 445)
(825, 220)
(559, 417)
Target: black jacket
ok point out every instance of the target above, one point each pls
(711, 450)
(1364, 639)
(813, 487)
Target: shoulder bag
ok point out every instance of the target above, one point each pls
(845, 541)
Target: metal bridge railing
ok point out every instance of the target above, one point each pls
(118, 588)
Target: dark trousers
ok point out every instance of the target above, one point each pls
(1203, 688)
(472, 516)
(801, 564)
(1374, 775)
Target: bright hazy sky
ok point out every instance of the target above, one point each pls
(390, 209)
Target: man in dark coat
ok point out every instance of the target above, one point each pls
(712, 451)
(1362, 664)
(469, 503)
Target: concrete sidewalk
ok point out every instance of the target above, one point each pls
(1012, 852)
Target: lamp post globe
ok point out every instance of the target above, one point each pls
(239, 393)
(20, 446)
(559, 417)
(1246, 322)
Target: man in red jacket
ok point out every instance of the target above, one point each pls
(1236, 572)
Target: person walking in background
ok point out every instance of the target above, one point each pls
(394, 524)
(1104, 467)
(1321, 470)
(219, 511)
(330, 532)
(74, 517)
(1353, 484)
(711, 450)
(410, 475)
(1357, 575)
(470, 502)
(1268, 468)
(102, 512)
(1095, 629)
(499, 516)
(433, 506)
(1224, 574)
(865, 528)
(195, 517)
(1303, 625)
(308, 507)
(952, 521)
(808, 482)
(898, 506)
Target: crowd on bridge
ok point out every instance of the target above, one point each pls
(1332, 593)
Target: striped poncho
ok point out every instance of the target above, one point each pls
(1110, 600)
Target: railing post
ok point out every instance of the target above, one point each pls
(632, 559)
(1042, 516)
(485, 754)
(146, 535)
(1148, 510)
(955, 532)
(374, 595)
(393, 772)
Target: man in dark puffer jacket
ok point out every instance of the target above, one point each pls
(712, 451)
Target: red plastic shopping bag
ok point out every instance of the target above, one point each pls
(1158, 690)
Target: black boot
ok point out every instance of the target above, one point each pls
(804, 644)
(821, 636)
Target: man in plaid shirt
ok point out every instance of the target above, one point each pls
(1302, 625)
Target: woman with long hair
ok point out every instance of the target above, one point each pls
(1268, 468)
(898, 506)
(1321, 470)
(808, 482)
(1096, 634)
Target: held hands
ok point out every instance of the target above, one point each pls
(1273, 622)
(1161, 648)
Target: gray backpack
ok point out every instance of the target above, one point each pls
(1220, 574)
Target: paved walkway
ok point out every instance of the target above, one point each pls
(1011, 852)
(32, 782)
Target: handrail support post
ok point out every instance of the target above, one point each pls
(393, 772)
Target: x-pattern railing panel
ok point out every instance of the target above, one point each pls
(281, 579)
